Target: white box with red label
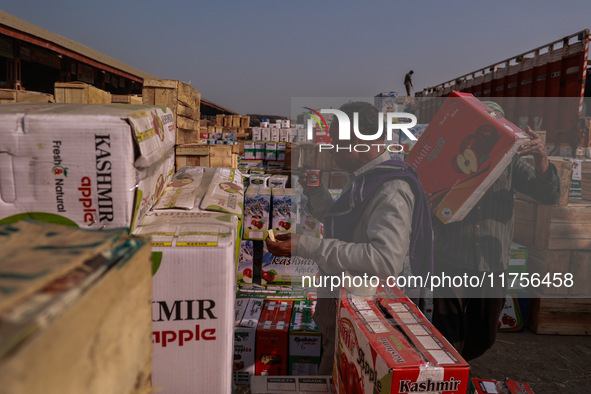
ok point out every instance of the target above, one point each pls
(194, 282)
(392, 349)
(463, 151)
(89, 165)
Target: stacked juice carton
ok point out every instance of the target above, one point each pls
(275, 337)
(195, 235)
(268, 147)
(277, 208)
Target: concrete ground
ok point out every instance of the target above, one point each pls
(548, 363)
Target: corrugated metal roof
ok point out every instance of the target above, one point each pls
(36, 31)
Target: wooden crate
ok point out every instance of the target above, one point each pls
(206, 155)
(544, 261)
(560, 316)
(101, 344)
(80, 93)
(580, 267)
(235, 121)
(525, 222)
(565, 172)
(227, 121)
(563, 227)
(244, 121)
(20, 96)
(184, 101)
(219, 120)
(126, 99)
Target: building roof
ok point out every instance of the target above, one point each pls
(18, 28)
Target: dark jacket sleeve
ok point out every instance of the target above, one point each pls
(543, 188)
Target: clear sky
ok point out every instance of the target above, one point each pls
(254, 56)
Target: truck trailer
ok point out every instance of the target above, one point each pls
(546, 88)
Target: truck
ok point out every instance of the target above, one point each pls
(546, 88)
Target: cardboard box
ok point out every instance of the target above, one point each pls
(291, 384)
(390, 347)
(257, 209)
(512, 318)
(286, 270)
(510, 386)
(89, 165)
(484, 386)
(273, 338)
(265, 134)
(311, 226)
(91, 333)
(275, 134)
(278, 181)
(285, 135)
(461, 154)
(278, 293)
(193, 299)
(271, 151)
(257, 134)
(248, 314)
(517, 266)
(245, 270)
(271, 270)
(285, 212)
(260, 179)
(305, 341)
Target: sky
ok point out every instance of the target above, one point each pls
(254, 56)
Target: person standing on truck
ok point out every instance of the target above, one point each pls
(381, 214)
(408, 82)
(480, 244)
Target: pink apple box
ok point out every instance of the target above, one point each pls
(463, 151)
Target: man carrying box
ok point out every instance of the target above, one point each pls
(480, 244)
(381, 213)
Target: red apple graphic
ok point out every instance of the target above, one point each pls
(466, 162)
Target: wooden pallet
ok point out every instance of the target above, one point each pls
(560, 316)
(80, 93)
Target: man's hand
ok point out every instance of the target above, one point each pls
(303, 181)
(286, 243)
(536, 148)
